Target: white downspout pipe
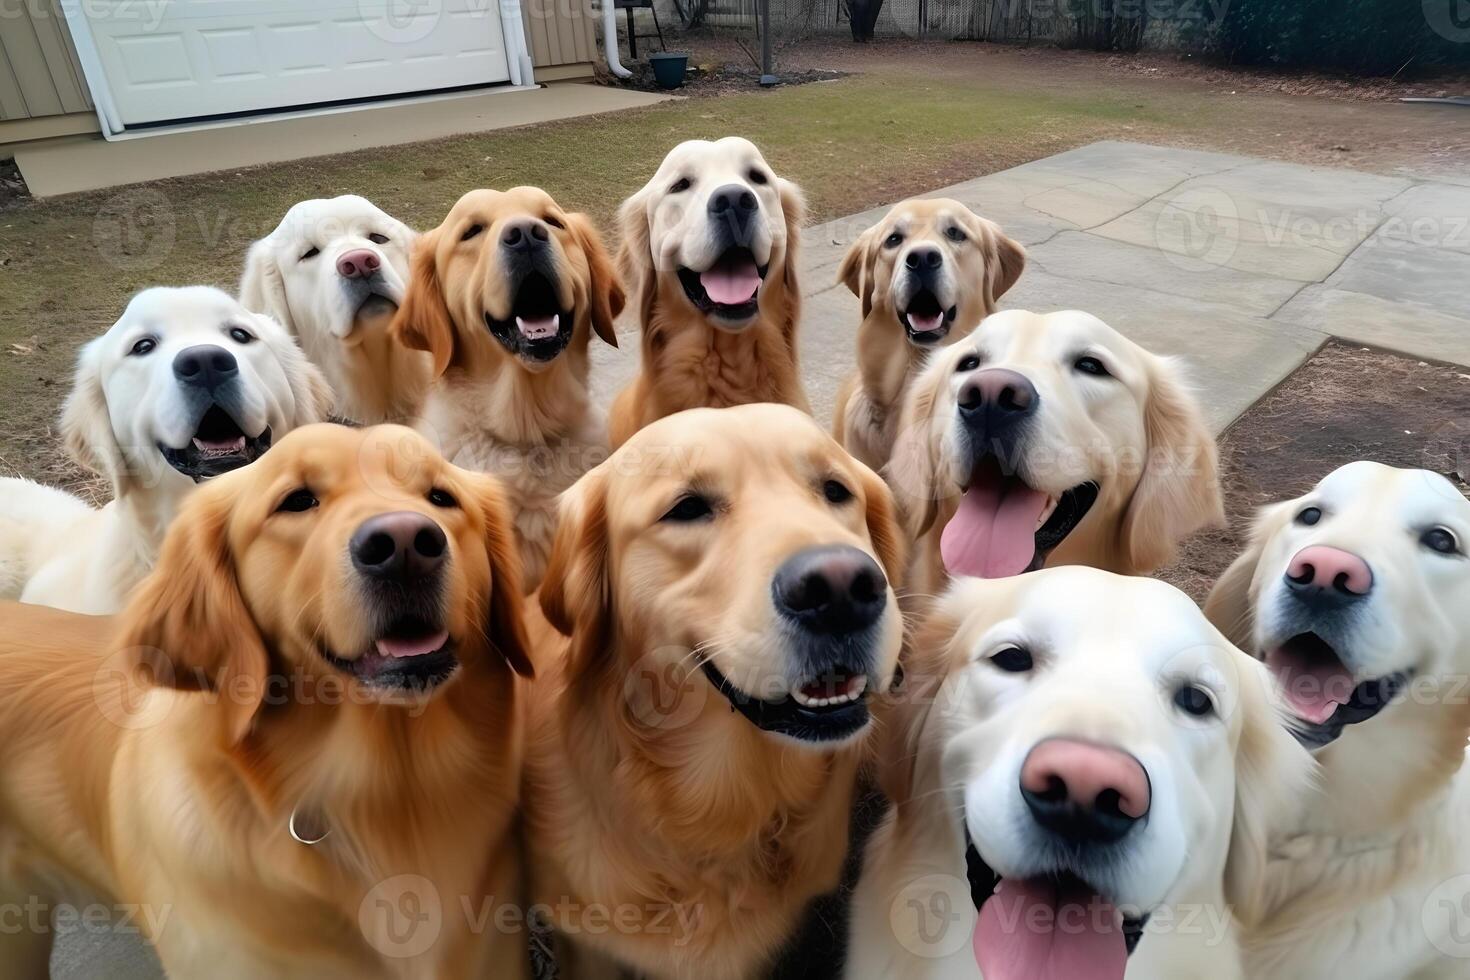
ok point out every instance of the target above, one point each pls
(610, 40)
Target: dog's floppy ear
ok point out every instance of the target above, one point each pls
(187, 624)
(635, 255)
(1006, 263)
(607, 297)
(86, 424)
(912, 470)
(423, 321)
(505, 618)
(311, 394)
(1178, 490)
(856, 270)
(262, 289)
(883, 527)
(1231, 605)
(1272, 773)
(576, 592)
(793, 215)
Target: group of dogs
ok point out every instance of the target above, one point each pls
(635, 679)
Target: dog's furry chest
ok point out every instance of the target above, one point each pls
(696, 368)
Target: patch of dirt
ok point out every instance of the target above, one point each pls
(1344, 404)
(714, 77)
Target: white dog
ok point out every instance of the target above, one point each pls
(186, 385)
(1083, 773)
(334, 272)
(1357, 596)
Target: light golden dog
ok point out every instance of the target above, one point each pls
(1357, 596)
(724, 579)
(1050, 439)
(506, 295)
(1084, 774)
(304, 722)
(709, 250)
(927, 274)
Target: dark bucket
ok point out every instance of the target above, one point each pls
(669, 69)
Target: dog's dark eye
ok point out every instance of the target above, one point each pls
(377, 239)
(471, 232)
(1441, 540)
(1309, 516)
(144, 346)
(553, 222)
(691, 507)
(836, 492)
(240, 335)
(967, 363)
(680, 186)
(1092, 366)
(297, 501)
(756, 176)
(442, 498)
(310, 253)
(893, 241)
(1013, 660)
(955, 235)
(1194, 700)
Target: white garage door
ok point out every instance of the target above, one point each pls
(183, 59)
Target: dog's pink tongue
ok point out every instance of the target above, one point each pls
(1028, 930)
(993, 533)
(925, 324)
(399, 648)
(539, 329)
(731, 283)
(1313, 689)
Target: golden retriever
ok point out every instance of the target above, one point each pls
(927, 274)
(296, 752)
(1050, 439)
(709, 250)
(186, 385)
(1357, 596)
(334, 272)
(505, 295)
(1084, 773)
(724, 580)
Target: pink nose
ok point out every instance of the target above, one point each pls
(1331, 568)
(1087, 776)
(358, 263)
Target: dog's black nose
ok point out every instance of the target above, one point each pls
(524, 236)
(997, 398)
(733, 199)
(402, 547)
(924, 258)
(205, 366)
(832, 589)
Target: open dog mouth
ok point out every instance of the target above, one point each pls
(538, 328)
(729, 289)
(217, 446)
(826, 707)
(925, 322)
(1050, 927)
(1005, 527)
(1323, 692)
(411, 656)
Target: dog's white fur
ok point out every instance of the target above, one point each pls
(374, 379)
(1110, 653)
(1373, 882)
(57, 550)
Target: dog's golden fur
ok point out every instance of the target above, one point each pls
(980, 264)
(155, 758)
(530, 423)
(688, 362)
(646, 794)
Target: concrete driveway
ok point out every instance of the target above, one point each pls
(1243, 267)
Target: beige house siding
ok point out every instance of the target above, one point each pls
(559, 32)
(39, 72)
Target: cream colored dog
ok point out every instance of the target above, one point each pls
(187, 384)
(1084, 773)
(334, 272)
(1357, 595)
(710, 254)
(927, 274)
(1050, 439)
